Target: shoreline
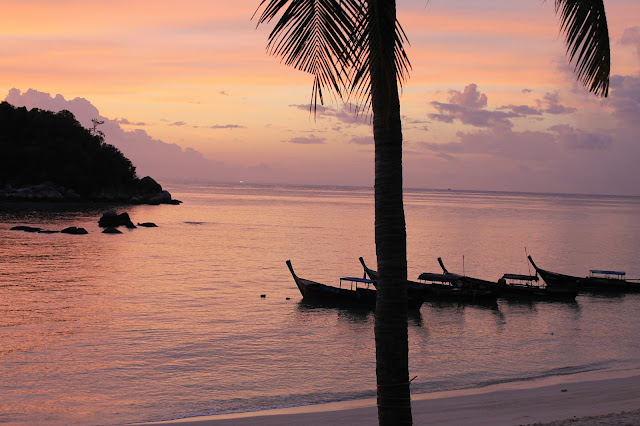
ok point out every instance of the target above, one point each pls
(575, 399)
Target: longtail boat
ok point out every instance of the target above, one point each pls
(450, 288)
(483, 290)
(556, 280)
(609, 281)
(469, 281)
(529, 287)
(443, 288)
(352, 291)
(598, 281)
(415, 290)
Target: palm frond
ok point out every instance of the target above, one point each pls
(312, 36)
(331, 39)
(584, 25)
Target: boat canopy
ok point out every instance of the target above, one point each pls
(358, 280)
(445, 278)
(602, 272)
(520, 277)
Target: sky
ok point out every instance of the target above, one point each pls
(188, 92)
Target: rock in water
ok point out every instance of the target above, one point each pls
(25, 228)
(74, 231)
(111, 219)
(148, 225)
(111, 230)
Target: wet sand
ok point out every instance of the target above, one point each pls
(595, 398)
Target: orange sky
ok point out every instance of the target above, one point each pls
(195, 73)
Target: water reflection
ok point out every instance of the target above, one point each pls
(415, 318)
(158, 324)
(355, 314)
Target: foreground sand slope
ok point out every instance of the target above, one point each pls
(567, 398)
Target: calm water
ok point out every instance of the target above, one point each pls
(168, 322)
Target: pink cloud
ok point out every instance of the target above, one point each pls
(308, 140)
(469, 107)
(631, 36)
(347, 114)
(584, 156)
(152, 157)
(625, 100)
(470, 97)
(362, 140)
(579, 139)
(550, 104)
(474, 115)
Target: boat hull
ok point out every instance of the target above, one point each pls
(587, 284)
(515, 291)
(442, 292)
(312, 291)
(609, 285)
(436, 292)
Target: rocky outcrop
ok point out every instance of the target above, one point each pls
(149, 186)
(47, 191)
(112, 231)
(26, 228)
(147, 225)
(111, 219)
(143, 191)
(70, 230)
(74, 231)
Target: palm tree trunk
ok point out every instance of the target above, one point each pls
(392, 346)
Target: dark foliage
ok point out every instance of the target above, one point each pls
(38, 146)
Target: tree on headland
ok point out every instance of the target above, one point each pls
(355, 50)
(39, 146)
(94, 129)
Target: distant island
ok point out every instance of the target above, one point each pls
(49, 156)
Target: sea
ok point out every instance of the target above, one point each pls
(200, 315)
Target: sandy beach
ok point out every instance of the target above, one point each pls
(595, 398)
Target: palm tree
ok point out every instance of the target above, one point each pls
(354, 49)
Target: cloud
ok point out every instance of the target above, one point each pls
(625, 100)
(35, 99)
(522, 110)
(631, 36)
(227, 126)
(410, 120)
(470, 97)
(579, 139)
(469, 107)
(409, 123)
(308, 140)
(447, 156)
(560, 158)
(488, 142)
(349, 113)
(152, 157)
(178, 123)
(550, 104)
(448, 113)
(129, 123)
(559, 141)
(362, 140)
